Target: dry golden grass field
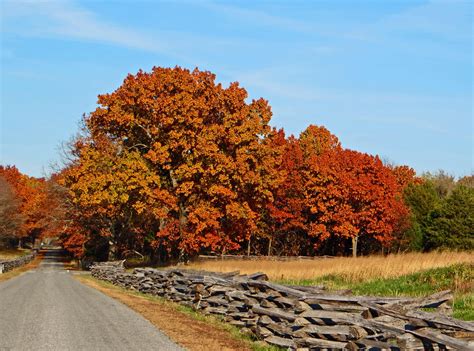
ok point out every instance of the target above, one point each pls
(411, 274)
(352, 269)
(8, 254)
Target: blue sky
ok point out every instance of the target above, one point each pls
(392, 78)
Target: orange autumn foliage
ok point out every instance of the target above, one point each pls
(173, 164)
(210, 170)
(111, 189)
(331, 195)
(286, 222)
(352, 195)
(30, 193)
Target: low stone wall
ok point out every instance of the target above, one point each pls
(303, 318)
(8, 265)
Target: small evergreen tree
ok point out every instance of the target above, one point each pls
(452, 224)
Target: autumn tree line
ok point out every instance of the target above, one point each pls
(28, 207)
(173, 164)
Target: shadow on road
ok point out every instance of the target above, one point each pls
(53, 258)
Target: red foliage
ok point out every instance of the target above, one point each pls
(174, 163)
(286, 221)
(352, 195)
(31, 195)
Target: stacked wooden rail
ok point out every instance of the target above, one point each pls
(259, 258)
(304, 318)
(8, 265)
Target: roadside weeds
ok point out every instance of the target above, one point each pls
(8, 254)
(17, 271)
(190, 329)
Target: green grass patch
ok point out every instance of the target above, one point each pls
(464, 306)
(459, 278)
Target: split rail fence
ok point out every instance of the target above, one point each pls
(304, 318)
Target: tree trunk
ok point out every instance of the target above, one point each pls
(182, 218)
(112, 255)
(269, 247)
(112, 251)
(248, 245)
(182, 215)
(182, 256)
(354, 245)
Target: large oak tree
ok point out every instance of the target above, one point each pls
(205, 145)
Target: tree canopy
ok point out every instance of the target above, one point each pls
(172, 164)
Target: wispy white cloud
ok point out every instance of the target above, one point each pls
(258, 18)
(7, 54)
(270, 81)
(384, 108)
(448, 19)
(443, 20)
(67, 20)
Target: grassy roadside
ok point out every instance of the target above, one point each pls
(8, 254)
(459, 278)
(17, 271)
(191, 329)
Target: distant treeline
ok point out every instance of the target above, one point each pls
(171, 165)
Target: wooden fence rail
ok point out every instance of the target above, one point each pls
(306, 319)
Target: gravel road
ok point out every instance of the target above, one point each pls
(47, 309)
